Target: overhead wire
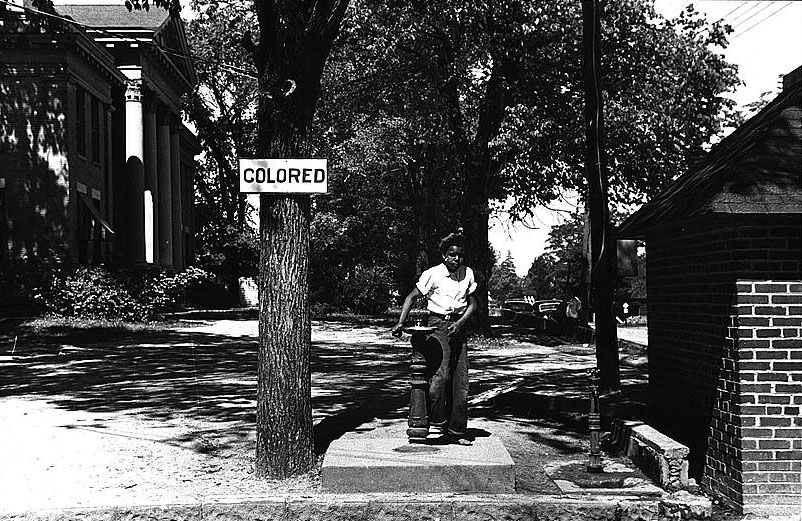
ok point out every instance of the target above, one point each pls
(744, 13)
(761, 21)
(733, 10)
(739, 24)
(166, 49)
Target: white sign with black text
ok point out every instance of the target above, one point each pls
(298, 176)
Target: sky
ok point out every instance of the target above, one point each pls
(765, 44)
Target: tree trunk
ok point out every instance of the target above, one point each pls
(284, 444)
(294, 42)
(284, 436)
(602, 247)
(476, 211)
(476, 207)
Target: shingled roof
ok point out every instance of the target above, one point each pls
(756, 169)
(115, 16)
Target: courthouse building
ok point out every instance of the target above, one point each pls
(95, 163)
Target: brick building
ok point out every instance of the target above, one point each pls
(724, 285)
(95, 163)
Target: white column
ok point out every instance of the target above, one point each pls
(151, 183)
(175, 177)
(134, 167)
(165, 190)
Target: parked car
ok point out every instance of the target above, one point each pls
(540, 314)
(547, 308)
(511, 308)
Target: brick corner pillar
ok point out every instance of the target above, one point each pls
(755, 458)
(135, 172)
(165, 189)
(175, 177)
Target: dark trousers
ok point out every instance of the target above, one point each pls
(447, 373)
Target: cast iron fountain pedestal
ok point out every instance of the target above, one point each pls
(418, 423)
(594, 424)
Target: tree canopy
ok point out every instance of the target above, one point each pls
(467, 103)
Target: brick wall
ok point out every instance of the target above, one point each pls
(694, 382)
(755, 454)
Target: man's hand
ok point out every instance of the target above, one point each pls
(396, 330)
(454, 328)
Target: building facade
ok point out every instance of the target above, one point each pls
(724, 286)
(96, 165)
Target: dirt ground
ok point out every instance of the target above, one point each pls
(96, 416)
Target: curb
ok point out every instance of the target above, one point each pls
(367, 507)
(392, 507)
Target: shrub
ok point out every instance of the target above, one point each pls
(91, 292)
(96, 292)
(21, 286)
(163, 291)
(366, 290)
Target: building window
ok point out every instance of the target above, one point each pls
(95, 130)
(80, 120)
(93, 231)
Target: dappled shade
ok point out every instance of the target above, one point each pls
(360, 380)
(33, 162)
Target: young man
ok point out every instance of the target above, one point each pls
(448, 289)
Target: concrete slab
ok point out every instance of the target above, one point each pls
(616, 479)
(395, 465)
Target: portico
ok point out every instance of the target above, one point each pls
(152, 228)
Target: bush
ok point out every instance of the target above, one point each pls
(96, 292)
(91, 292)
(21, 285)
(163, 291)
(208, 293)
(366, 290)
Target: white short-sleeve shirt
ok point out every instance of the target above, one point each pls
(445, 295)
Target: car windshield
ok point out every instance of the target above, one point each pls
(518, 306)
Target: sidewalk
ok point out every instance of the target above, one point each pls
(163, 422)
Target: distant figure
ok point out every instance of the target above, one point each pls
(573, 308)
(448, 289)
(572, 312)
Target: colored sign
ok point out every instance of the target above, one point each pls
(297, 176)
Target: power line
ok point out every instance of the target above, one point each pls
(739, 24)
(163, 48)
(761, 21)
(736, 8)
(735, 21)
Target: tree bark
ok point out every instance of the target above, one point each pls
(295, 39)
(284, 444)
(602, 246)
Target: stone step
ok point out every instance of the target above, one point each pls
(354, 465)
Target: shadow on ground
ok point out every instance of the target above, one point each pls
(172, 374)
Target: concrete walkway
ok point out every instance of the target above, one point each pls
(160, 425)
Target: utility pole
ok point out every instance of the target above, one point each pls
(602, 244)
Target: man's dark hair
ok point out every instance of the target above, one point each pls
(452, 239)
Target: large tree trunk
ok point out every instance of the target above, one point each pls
(284, 444)
(476, 213)
(602, 246)
(294, 42)
(476, 207)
